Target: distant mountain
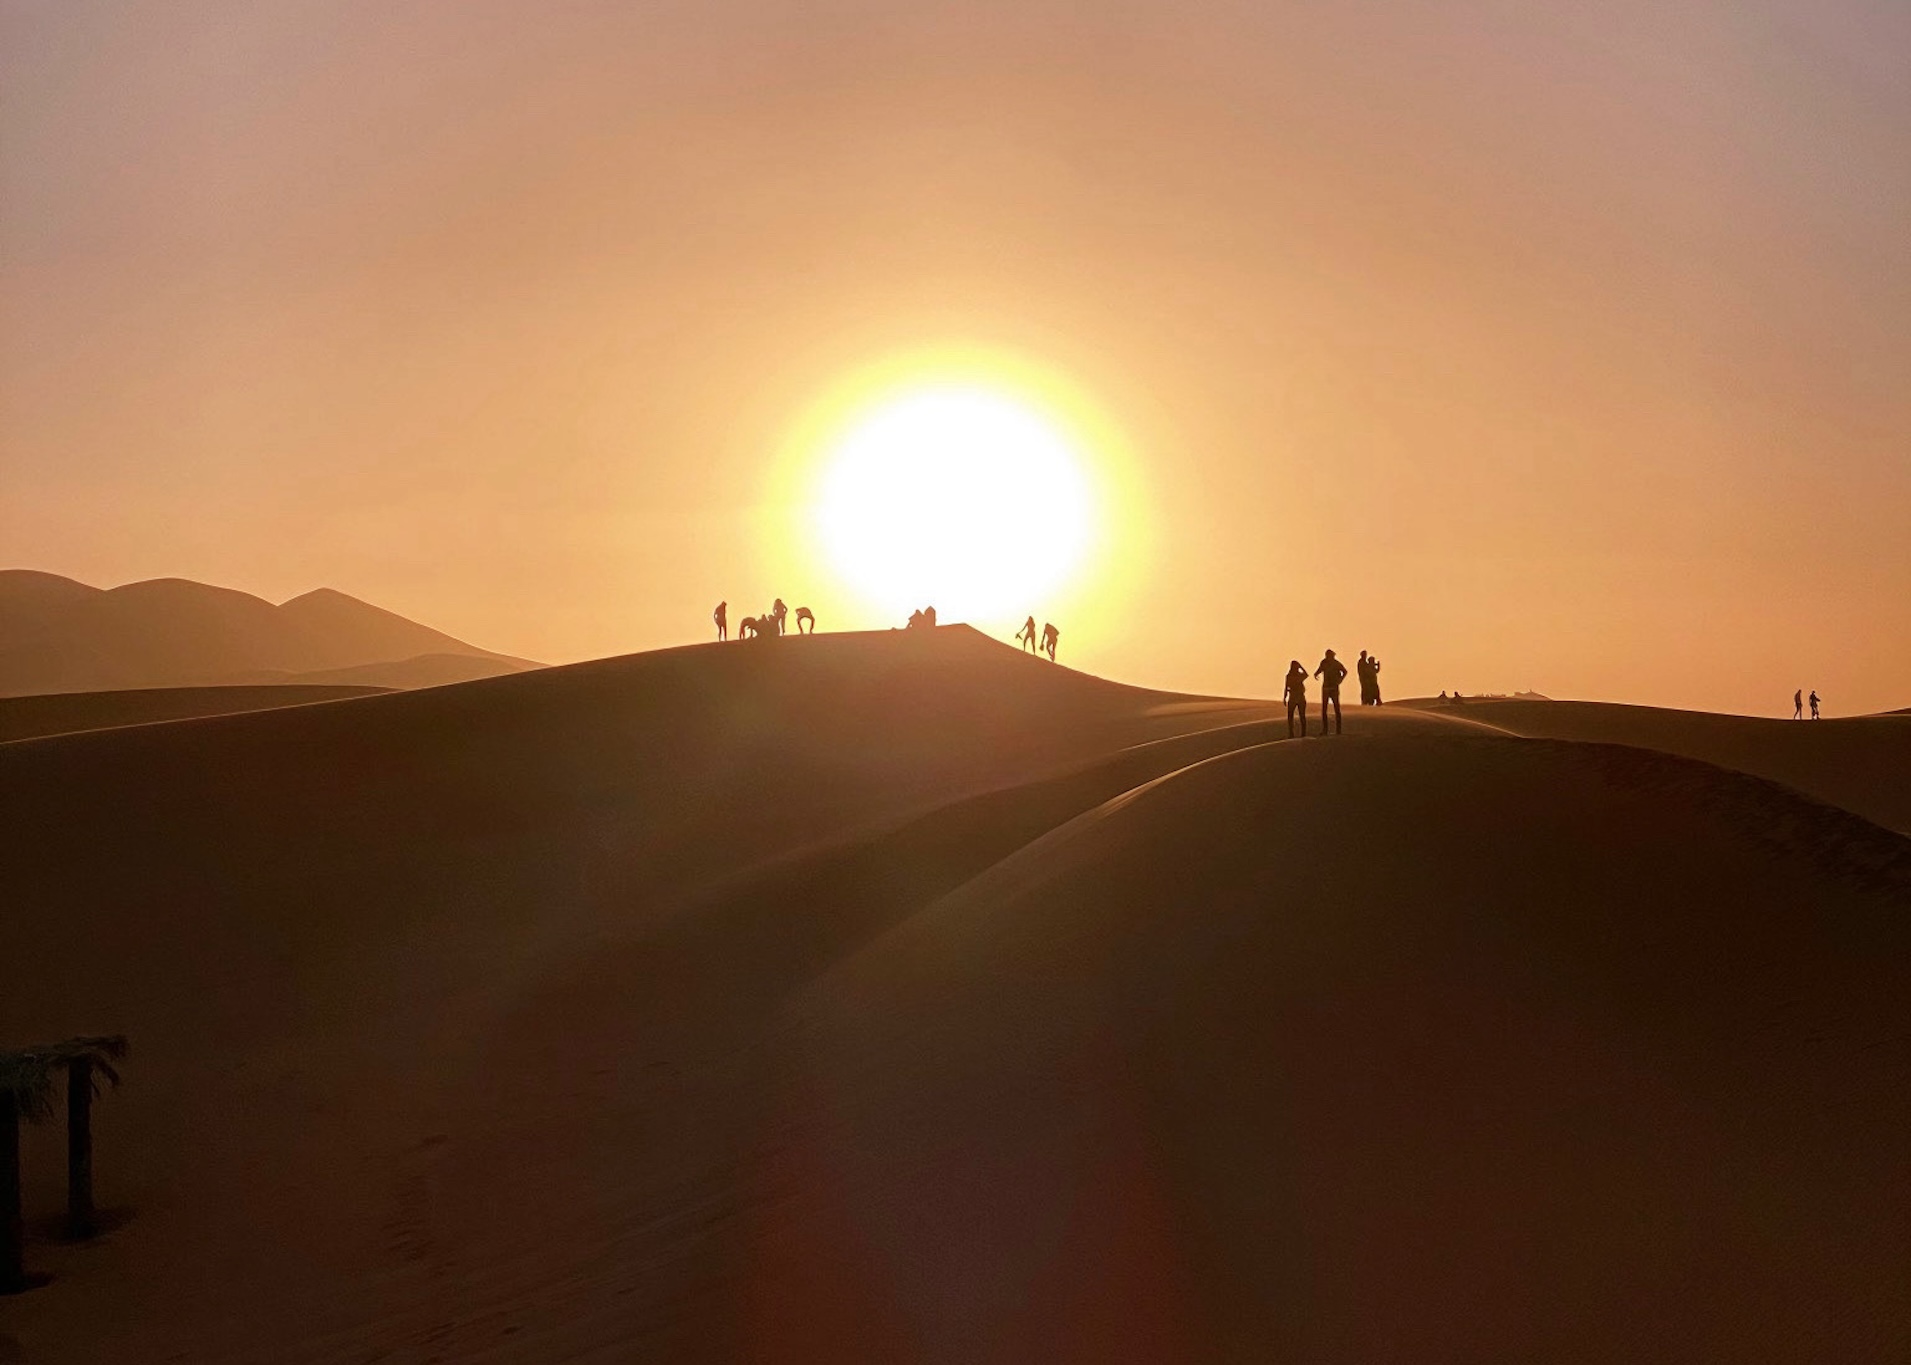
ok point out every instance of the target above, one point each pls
(57, 635)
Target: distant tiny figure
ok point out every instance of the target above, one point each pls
(805, 614)
(1027, 636)
(1798, 704)
(779, 613)
(1330, 672)
(1457, 698)
(1050, 637)
(1814, 704)
(1295, 695)
(924, 619)
(1443, 694)
(722, 617)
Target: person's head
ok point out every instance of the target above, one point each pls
(1363, 653)
(1294, 666)
(1330, 653)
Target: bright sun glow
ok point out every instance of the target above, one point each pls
(955, 495)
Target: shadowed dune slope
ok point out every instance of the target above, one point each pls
(64, 712)
(1371, 1052)
(899, 996)
(1862, 763)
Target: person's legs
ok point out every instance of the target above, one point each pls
(1334, 697)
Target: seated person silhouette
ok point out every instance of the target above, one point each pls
(722, 617)
(1295, 695)
(805, 614)
(1330, 672)
(1027, 636)
(1050, 637)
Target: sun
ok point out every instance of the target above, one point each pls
(959, 495)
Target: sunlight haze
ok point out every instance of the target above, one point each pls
(1527, 345)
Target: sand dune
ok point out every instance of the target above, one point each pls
(57, 635)
(1857, 762)
(903, 997)
(64, 712)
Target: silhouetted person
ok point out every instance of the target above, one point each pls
(1050, 637)
(1295, 695)
(1374, 670)
(929, 617)
(1330, 672)
(1814, 704)
(779, 613)
(722, 617)
(1364, 671)
(1798, 704)
(805, 614)
(1027, 636)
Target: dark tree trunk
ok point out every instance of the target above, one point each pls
(13, 1271)
(79, 1147)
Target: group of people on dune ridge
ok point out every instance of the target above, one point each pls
(768, 626)
(1050, 638)
(1331, 673)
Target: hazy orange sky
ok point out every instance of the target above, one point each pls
(1531, 345)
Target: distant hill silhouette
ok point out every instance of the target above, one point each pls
(57, 635)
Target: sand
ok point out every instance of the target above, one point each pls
(1858, 762)
(62, 713)
(902, 997)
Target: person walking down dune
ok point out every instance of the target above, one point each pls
(1330, 672)
(1050, 637)
(1814, 704)
(1798, 704)
(805, 614)
(1027, 636)
(722, 617)
(1295, 695)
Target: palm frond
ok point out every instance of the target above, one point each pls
(29, 1072)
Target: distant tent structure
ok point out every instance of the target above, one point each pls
(26, 1094)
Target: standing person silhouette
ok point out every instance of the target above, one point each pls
(1295, 695)
(1050, 638)
(1330, 672)
(722, 617)
(1798, 704)
(1814, 704)
(780, 614)
(1027, 636)
(1364, 670)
